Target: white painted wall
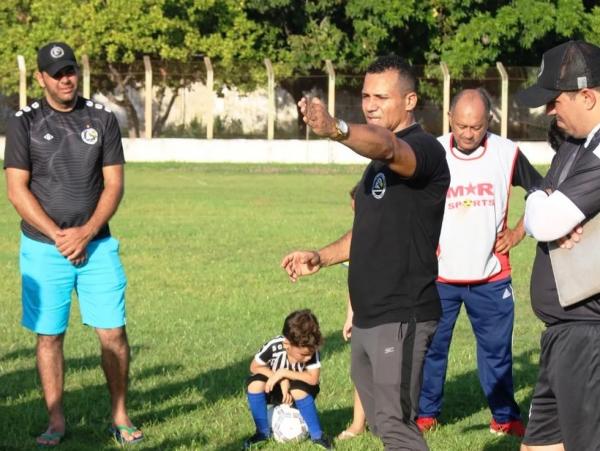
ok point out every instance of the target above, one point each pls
(263, 151)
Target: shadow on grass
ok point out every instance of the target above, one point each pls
(17, 383)
(88, 407)
(214, 385)
(464, 397)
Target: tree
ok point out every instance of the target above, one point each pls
(469, 35)
(115, 34)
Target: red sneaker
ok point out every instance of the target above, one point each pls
(512, 427)
(427, 423)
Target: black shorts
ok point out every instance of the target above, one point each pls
(275, 396)
(564, 408)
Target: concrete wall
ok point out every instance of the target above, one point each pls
(263, 151)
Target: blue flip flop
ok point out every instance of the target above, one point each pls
(50, 437)
(117, 432)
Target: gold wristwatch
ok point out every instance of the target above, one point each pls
(341, 130)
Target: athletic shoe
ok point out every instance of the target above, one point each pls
(427, 423)
(322, 442)
(255, 441)
(512, 427)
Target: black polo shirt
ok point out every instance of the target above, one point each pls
(395, 236)
(65, 153)
(581, 184)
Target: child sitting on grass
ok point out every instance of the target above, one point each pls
(286, 371)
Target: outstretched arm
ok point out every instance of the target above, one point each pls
(370, 141)
(304, 263)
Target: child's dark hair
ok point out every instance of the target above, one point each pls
(301, 328)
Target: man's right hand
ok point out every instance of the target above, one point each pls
(301, 263)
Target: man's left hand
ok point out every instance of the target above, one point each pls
(72, 242)
(506, 240)
(568, 241)
(316, 116)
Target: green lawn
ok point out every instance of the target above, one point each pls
(201, 246)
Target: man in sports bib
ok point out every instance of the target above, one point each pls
(474, 266)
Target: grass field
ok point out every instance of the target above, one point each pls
(201, 246)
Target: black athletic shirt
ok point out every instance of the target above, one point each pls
(525, 175)
(582, 186)
(274, 355)
(65, 153)
(395, 236)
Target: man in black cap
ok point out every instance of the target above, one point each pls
(564, 410)
(64, 172)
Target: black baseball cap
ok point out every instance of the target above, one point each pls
(54, 57)
(571, 66)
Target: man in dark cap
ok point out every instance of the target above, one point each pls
(64, 172)
(564, 410)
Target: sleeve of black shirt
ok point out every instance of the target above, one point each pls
(113, 145)
(524, 174)
(16, 151)
(582, 185)
(428, 154)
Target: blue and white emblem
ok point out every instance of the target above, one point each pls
(89, 136)
(379, 185)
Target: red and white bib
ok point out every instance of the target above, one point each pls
(476, 209)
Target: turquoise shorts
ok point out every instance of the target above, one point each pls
(48, 280)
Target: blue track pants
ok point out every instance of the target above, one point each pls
(490, 307)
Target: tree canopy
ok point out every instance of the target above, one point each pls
(469, 35)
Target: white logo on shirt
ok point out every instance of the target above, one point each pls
(379, 185)
(56, 52)
(89, 136)
(48, 137)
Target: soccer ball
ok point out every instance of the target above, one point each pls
(287, 424)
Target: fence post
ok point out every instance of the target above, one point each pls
(271, 94)
(446, 109)
(86, 76)
(504, 101)
(148, 97)
(22, 81)
(210, 81)
(330, 87)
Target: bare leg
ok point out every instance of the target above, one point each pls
(358, 420)
(115, 363)
(51, 364)
(556, 447)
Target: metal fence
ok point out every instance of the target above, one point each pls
(158, 99)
